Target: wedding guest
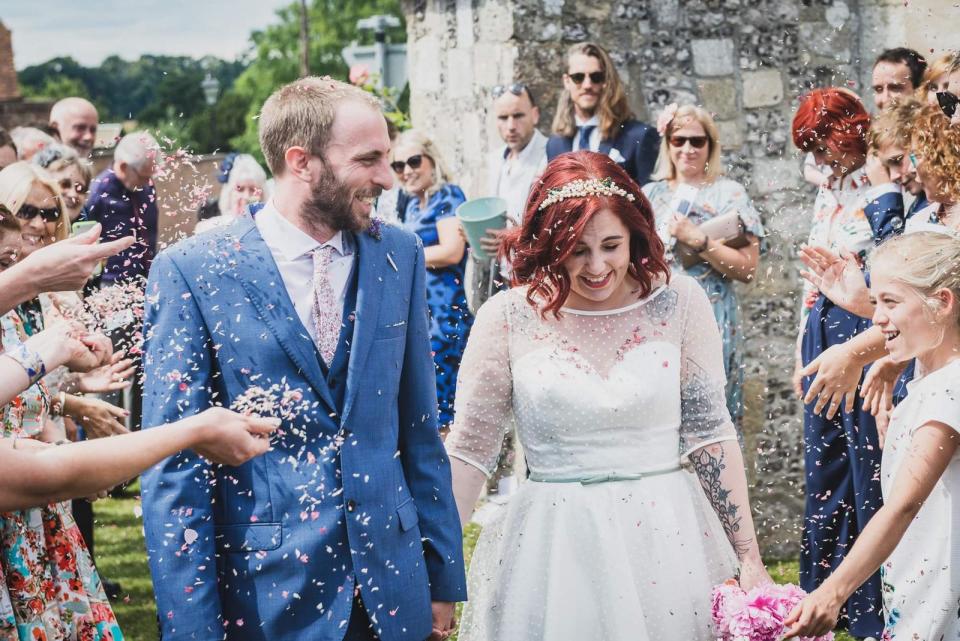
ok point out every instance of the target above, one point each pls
(391, 203)
(841, 448)
(29, 140)
(124, 200)
(244, 186)
(896, 72)
(934, 143)
(593, 114)
(511, 170)
(75, 120)
(8, 150)
(612, 369)
(71, 173)
(936, 78)
(430, 214)
(690, 157)
(915, 280)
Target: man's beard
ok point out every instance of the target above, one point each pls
(331, 204)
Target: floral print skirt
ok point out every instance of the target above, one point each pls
(49, 588)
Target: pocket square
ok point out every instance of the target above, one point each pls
(616, 156)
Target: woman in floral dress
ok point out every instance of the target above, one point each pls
(690, 155)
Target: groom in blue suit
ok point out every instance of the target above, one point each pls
(347, 529)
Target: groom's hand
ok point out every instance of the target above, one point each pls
(444, 620)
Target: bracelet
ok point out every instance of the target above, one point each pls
(703, 247)
(57, 404)
(29, 360)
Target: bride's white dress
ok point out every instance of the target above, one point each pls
(610, 538)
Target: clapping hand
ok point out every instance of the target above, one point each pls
(837, 377)
(878, 384)
(113, 376)
(68, 264)
(839, 278)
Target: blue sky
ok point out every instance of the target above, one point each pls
(91, 30)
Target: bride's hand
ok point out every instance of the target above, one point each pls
(752, 574)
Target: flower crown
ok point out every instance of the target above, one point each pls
(581, 188)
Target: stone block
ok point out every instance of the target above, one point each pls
(424, 64)
(731, 134)
(762, 88)
(713, 56)
(495, 21)
(459, 73)
(774, 175)
(719, 97)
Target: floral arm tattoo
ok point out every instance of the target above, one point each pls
(709, 468)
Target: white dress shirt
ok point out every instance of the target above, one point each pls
(292, 250)
(594, 135)
(511, 178)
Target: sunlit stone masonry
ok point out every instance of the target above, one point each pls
(744, 60)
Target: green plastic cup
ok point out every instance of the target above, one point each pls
(479, 216)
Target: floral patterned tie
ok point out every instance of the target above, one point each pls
(326, 307)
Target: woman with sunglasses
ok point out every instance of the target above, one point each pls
(690, 159)
(430, 214)
(72, 175)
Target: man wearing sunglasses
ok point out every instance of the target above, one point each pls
(593, 114)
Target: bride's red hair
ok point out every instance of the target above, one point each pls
(546, 239)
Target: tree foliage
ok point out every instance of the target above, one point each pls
(164, 93)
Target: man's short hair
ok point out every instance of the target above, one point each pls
(300, 114)
(136, 148)
(904, 56)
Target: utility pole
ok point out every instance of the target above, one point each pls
(304, 41)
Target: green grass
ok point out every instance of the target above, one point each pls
(121, 557)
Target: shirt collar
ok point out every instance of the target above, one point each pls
(527, 151)
(289, 240)
(594, 121)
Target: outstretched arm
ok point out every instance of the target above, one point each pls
(34, 474)
(931, 450)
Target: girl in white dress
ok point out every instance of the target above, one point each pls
(636, 502)
(915, 283)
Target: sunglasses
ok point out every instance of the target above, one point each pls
(413, 161)
(596, 77)
(948, 103)
(695, 141)
(66, 184)
(517, 89)
(48, 214)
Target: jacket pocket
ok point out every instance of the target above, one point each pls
(407, 513)
(248, 537)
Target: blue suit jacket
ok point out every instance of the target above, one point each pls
(637, 144)
(358, 497)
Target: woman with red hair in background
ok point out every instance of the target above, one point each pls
(636, 503)
(841, 446)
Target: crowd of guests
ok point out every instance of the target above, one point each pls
(890, 179)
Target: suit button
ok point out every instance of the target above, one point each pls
(351, 505)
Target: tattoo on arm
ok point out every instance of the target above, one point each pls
(709, 468)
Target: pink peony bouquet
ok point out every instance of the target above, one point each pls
(757, 615)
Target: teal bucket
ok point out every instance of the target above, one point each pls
(478, 216)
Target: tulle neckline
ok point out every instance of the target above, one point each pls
(619, 310)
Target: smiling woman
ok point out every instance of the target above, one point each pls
(30, 194)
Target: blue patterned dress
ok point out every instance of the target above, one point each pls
(716, 199)
(450, 319)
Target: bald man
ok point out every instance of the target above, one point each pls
(75, 119)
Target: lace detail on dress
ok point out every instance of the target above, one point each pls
(593, 394)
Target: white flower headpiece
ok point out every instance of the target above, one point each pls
(581, 188)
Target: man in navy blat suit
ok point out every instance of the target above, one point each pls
(593, 114)
(347, 529)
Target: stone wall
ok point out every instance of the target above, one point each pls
(744, 60)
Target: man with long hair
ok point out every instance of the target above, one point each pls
(593, 114)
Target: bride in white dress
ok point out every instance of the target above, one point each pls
(636, 502)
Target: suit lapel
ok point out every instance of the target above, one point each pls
(371, 259)
(605, 147)
(258, 274)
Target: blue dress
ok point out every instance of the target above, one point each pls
(842, 454)
(716, 199)
(450, 319)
